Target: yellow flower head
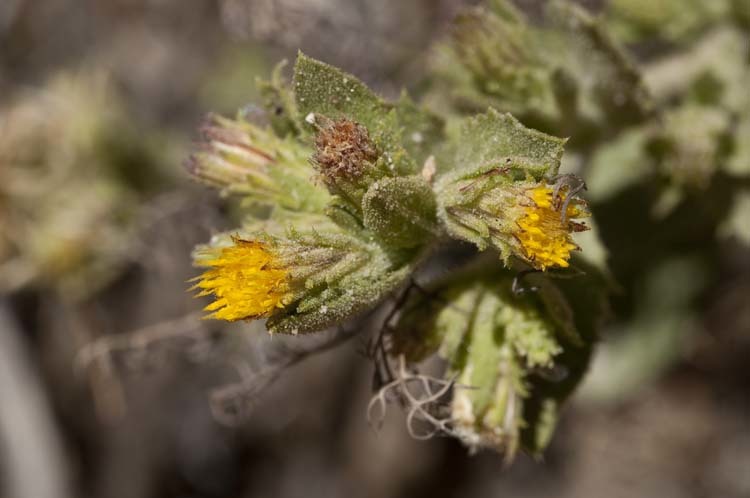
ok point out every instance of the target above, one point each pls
(544, 231)
(247, 281)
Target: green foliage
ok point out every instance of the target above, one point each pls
(323, 89)
(511, 354)
(362, 192)
(498, 140)
(367, 189)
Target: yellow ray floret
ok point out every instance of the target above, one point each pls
(247, 281)
(544, 232)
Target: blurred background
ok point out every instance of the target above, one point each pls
(110, 384)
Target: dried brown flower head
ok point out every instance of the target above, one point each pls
(343, 149)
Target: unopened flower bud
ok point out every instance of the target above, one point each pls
(244, 159)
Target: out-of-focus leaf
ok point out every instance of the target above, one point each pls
(738, 223)
(713, 72)
(586, 298)
(493, 59)
(688, 147)
(670, 20)
(657, 335)
(618, 164)
(738, 163)
(568, 77)
(605, 72)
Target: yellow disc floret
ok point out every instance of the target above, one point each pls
(246, 279)
(544, 231)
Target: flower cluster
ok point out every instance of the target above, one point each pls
(357, 194)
